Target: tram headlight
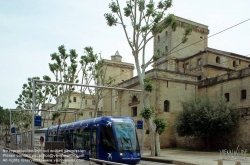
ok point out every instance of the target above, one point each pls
(122, 154)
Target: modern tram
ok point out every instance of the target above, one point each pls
(107, 138)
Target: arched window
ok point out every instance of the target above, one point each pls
(166, 49)
(218, 59)
(166, 106)
(227, 97)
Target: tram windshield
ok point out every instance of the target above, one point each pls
(126, 136)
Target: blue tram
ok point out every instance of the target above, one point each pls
(106, 138)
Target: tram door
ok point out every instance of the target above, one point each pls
(94, 144)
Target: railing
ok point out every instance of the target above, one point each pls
(91, 160)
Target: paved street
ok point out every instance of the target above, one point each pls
(8, 158)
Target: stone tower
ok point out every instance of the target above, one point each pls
(119, 70)
(168, 40)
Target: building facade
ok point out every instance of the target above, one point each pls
(183, 71)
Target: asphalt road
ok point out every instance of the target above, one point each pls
(8, 158)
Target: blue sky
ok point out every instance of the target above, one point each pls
(31, 30)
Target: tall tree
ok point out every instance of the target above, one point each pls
(5, 119)
(93, 71)
(206, 119)
(64, 69)
(146, 19)
(90, 72)
(42, 96)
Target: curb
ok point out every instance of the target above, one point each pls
(154, 159)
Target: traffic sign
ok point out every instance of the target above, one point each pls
(13, 130)
(38, 120)
(139, 124)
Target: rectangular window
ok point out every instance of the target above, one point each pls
(166, 106)
(187, 65)
(199, 62)
(134, 111)
(99, 113)
(227, 97)
(234, 64)
(243, 94)
(86, 101)
(74, 99)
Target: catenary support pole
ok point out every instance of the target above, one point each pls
(10, 121)
(33, 109)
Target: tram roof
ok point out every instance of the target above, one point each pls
(85, 123)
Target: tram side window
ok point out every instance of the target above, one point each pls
(61, 138)
(107, 139)
(78, 140)
(86, 138)
(67, 139)
(50, 138)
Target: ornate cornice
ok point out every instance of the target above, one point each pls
(120, 65)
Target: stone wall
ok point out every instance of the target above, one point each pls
(231, 83)
(240, 137)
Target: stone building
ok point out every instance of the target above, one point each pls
(72, 113)
(183, 72)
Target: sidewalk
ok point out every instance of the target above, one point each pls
(191, 157)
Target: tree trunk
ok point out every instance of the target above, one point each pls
(152, 137)
(151, 125)
(157, 144)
